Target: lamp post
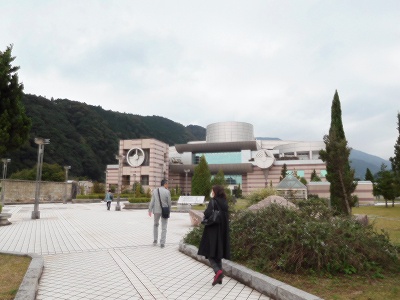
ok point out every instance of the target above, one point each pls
(66, 168)
(120, 159)
(41, 142)
(186, 175)
(134, 185)
(5, 162)
(105, 182)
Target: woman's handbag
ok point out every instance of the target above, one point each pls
(215, 217)
(165, 211)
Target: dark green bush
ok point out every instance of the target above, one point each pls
(102, 196)
(193, 237)
(308, 239)
(139, 200)
(260, 194)
(91, 196)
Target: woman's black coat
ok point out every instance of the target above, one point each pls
(215, 240)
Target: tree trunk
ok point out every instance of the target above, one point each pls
(346, 201)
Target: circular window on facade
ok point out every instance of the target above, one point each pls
(135, 157)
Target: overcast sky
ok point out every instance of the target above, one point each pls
(274, 64)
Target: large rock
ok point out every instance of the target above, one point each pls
(362, 219)
(196, 217)
(272, 200)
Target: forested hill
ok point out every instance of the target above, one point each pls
(86, 136)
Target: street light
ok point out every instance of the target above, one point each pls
(41, 142)
(134, 185)
(120, 160)
(66, 168)
(5, 162)
(105, 181)
(186, 174)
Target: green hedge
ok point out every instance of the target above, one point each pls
(139, 200)
(91, 196)
(129, 196)
(102, 196)
(311, 238)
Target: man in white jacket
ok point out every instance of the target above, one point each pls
(155, 208)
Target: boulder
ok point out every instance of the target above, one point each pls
(196, 217)
(362, 219)
(272, 200)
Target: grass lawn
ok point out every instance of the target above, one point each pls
(345, 287)
(12, 271)
(354, 286)
(387, 218)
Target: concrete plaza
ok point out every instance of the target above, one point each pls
(92, 253)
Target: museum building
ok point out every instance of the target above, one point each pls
(253, 163)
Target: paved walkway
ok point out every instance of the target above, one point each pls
(92, 253)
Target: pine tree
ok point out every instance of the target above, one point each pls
(336, 155)
(369, 176)
(219, 179)
(314, 176)
(283, 172)
(385, 184)
(201, 180)
(395, 160)
(14, 124)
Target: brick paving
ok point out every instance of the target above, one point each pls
(92, 253)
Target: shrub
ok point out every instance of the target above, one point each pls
(139, 200)
(308, 239)
(193, 237)
(91, 196)
(311, 238)
(260, 194)
(1, 208)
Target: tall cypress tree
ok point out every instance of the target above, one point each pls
(314, 176)
(283, 172)
(219, 179)
(201, 180)
(395, 160)
(14, 124)
(336, 155)
(368, 175)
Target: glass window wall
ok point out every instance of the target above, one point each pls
(219, 158)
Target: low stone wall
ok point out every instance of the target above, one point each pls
(23, 191)
(136, 205)
(268, 286)
(4, 219)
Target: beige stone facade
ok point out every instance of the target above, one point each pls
(145, 161)
(363, 191)
(246, 161)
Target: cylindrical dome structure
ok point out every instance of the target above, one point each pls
(229, 132)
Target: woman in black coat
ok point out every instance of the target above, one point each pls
(214, 243)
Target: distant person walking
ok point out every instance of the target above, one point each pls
(162, 193)
(214, 243)
(108, 198)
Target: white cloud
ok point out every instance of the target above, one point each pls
(275, 64)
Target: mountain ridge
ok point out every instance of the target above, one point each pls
(86, 137)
